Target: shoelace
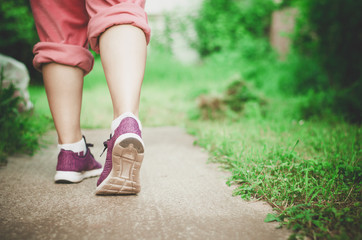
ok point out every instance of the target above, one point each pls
(105, 144)
(87, 144)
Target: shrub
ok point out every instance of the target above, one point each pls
(328, 34)
(19, 131)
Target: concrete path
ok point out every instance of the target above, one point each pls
(182, 197)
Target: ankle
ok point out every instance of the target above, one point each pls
(79, 146)
(69, 136)
(133, 111)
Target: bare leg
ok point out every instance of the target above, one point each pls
(63, 85)
(123, 50)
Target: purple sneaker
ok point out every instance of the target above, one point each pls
(124, 158)
(74, 167)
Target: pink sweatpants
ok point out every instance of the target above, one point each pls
(65, 27)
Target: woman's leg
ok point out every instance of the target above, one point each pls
(62, 56)
(119, 31)
(123, 50)
(63, 85)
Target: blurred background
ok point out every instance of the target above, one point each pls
(269, 87)
(308, 52)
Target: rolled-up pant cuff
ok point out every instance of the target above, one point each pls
(122, 13)
(72, 55)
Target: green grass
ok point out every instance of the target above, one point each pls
(308, 170)
(310, 173)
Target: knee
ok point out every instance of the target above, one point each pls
(127, 12)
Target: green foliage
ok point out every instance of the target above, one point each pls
(302, 75)
(19, 131)
(330, 32)
(324, 68)
(328, 35)
(18, 23)
(221, 24)
(18, 33)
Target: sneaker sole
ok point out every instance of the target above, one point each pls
(127, 157)
(75, 177)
